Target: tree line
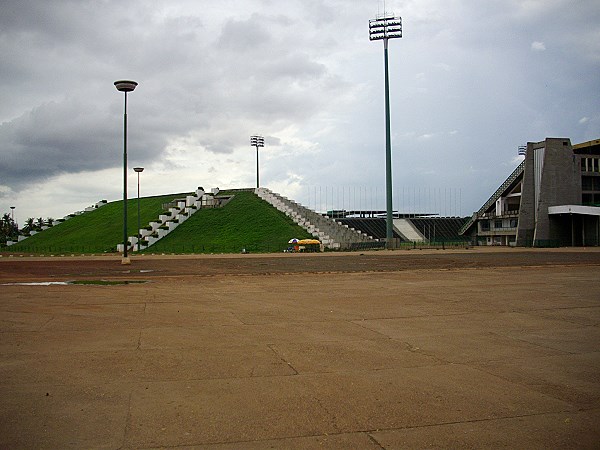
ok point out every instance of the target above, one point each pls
(9, 230)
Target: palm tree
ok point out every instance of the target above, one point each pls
(29, 225)
(5, 221)
(8, 228)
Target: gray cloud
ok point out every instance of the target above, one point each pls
(466, 90)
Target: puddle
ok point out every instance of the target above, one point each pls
(137, 271)
(107, 283)
(78, 282)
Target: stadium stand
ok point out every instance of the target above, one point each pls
(439, 228)
(551, 199)
(374, 227)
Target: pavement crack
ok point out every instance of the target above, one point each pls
(139, 342)
(128, 421)
(375, 441)
(45, 324)
(280, 356)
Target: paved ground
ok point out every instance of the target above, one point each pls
(468, 349)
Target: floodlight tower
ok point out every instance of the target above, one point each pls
(383, 28)
(125, 86)
(257, 141)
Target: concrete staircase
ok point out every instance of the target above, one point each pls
(178, 212)
(331, 233)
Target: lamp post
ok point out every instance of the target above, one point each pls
(257, 141)
(138, 170)
(384, 28)
(12, 211)
(125, 86)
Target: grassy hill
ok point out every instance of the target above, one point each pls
(98, 231)
(246, 222)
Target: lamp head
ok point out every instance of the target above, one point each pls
(125, 85)
(385, 27)
(138, 169)
(257, 141)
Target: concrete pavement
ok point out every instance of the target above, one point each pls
(461, 358)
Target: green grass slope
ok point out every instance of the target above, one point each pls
(97, 231)
(246, 222)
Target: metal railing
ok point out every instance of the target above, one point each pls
(512, 177)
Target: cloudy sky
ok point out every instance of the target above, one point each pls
(470, 82)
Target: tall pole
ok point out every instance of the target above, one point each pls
(125, 86)
(257, 141)
(257, 172)
(138, 214)
(125, 258)
(384, 28)
(389, 222)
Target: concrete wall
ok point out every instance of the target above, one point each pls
(559, 180)
(527, 209)
(560, 185)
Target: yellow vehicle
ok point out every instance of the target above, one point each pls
(304, 245)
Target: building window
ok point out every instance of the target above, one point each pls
(497, 224)
(587, 199)
(513, 223)
(485, 225)
(590, 165)
(587, 183)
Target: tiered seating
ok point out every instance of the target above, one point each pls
(503, 187)
(22, 237)
(178, 212)
(330, 232)
(374, 227)
(439, 228)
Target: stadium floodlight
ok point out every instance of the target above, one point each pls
(257, 141)
(138, 170)
(125, 86)
(384, 28)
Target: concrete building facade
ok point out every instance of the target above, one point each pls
(551, 199)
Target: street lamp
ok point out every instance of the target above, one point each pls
(138, 170)
(257, 141)
(384, 28)
(125, 86)
(12, 210)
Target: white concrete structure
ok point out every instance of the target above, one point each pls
(407, 230)
(57, 222)
(331, 233)
(179, 211)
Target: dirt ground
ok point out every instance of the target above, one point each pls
(478, 348)
(148, 267)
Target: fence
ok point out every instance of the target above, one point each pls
(55, 249)
(252, 247)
